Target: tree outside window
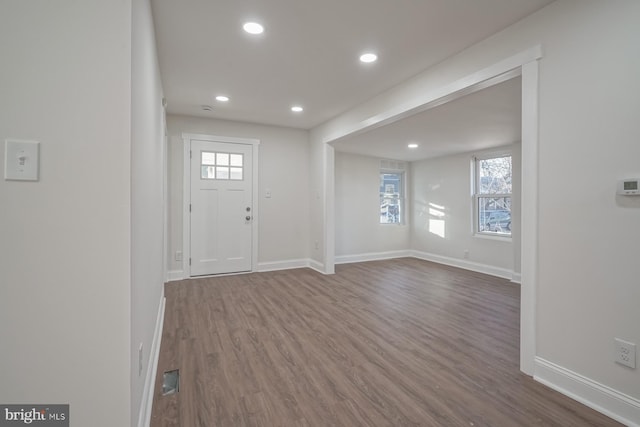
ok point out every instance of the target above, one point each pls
(493, 190)
(391, 197)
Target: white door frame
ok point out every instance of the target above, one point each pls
(525, 64)
(186, 194)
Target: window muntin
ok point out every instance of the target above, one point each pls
(391, 197)
(492, 198)
(222, 166)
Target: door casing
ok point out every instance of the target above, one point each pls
(186, 191)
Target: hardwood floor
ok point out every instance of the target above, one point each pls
(390, 343)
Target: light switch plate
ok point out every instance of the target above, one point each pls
(21, 160)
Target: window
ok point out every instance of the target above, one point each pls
(391, 197)
(492, 198)
(222, 166)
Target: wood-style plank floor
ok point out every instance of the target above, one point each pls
(390, 343)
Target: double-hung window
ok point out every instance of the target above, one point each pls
(392, 193)
(492, 195)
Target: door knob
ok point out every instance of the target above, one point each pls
(248, 218)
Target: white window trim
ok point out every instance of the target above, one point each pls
(403, 197)
(475, 195)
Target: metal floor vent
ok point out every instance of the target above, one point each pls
(170, 382)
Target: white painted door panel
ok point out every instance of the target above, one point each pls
(221, 207)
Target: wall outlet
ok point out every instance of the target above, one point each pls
(178, 255)
(140, 359)
(466, 254)
(625, 353)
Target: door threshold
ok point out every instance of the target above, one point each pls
(233, 273)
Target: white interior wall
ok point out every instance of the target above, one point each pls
(442, 214)
(148, 152)
(318, 175)
(359, 233)
(587, 275)
(283, 169)
(65, 275)
(444, 181)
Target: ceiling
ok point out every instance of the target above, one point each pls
(485, 119)
(308, 55)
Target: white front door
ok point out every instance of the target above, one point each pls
(221, 207)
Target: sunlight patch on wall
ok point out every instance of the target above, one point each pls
(437, 223)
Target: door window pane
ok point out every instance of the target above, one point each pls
(208, 172)
(222, 172)
(235, 174)
(222, 166)
(222, 159)
(208, 158)
(236, 160)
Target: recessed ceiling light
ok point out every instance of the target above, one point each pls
(297, 109)
(368, 57)
(253, 28)
(412, 145)
(207, 108)
(222, 98)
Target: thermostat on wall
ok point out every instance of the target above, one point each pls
(629, 187)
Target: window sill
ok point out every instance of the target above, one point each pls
(495, 237)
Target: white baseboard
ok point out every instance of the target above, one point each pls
(440, 259)
(316, 265)
(516, 278)
(144, 414)
(464, 264)
(372, 256)
(283, 265)
(610, 402)
(174, 275)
